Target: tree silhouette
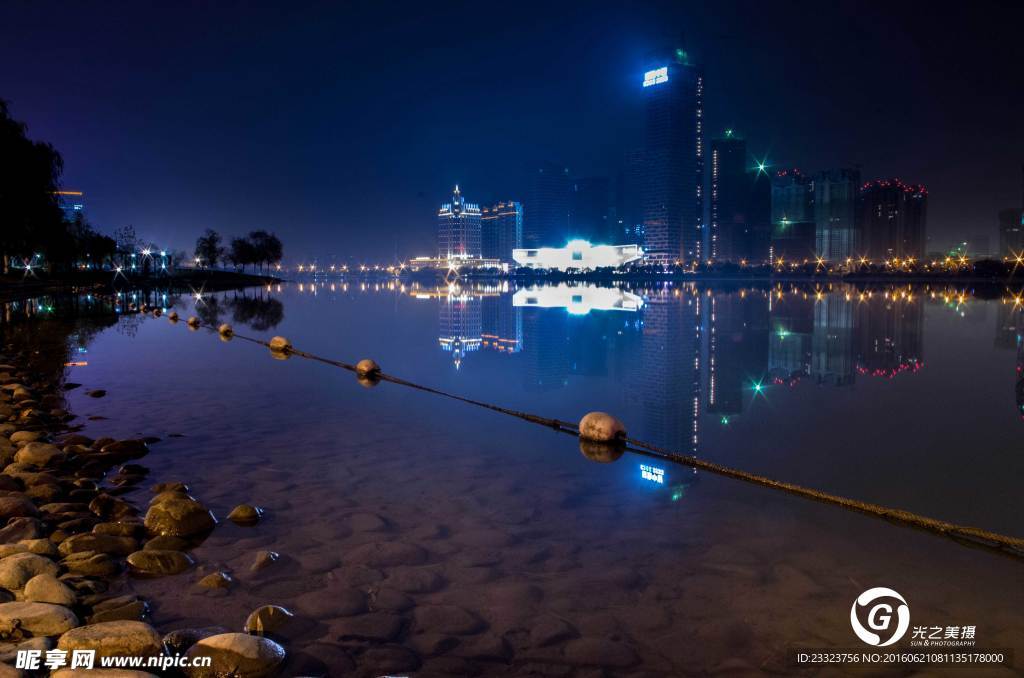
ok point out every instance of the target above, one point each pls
(208, 248)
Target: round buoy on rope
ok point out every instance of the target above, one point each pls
(601, 427)
(157, 312)
(367, 382)
(173, 316)
(602, 453)
(225, 331)
(192, 322)
(280, 348)
(367, 367)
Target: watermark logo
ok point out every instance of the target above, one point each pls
(886, 613)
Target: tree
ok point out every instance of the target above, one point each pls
(30, 171)
(242, 253)
(208, 248)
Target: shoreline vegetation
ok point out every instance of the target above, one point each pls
(72, 539)
(207, 280)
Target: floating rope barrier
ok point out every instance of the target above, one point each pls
(369, 373)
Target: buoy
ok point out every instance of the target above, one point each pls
(192, 321)
(367, 382)
(173, 316)
(280, 348)
(367, 367)
(157, 312)
(225, 331)
(601, 427)
(602, 453)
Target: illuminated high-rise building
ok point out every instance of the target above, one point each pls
(837, 227)
(893, 218)
(72, 204)
(1011, 232)
(740, 227)
(501, 227)
(458, 229)
(546, 214)
(673, 186)
(792, 216)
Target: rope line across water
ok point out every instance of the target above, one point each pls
(962, 534)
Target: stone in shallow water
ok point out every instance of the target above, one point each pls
(178, 515)
(120, 608)
(216, 580)
(120, 528)
(163, 543)
(264, 559)
(414, 580)
(245, 515)
(114, 639)
(16, 570)
(389, 659)
(37, 453)
(46, 588)
(35, 619)
(268, 620)
(390, 600)
(160, 562)
(17, 506)
(236, 654)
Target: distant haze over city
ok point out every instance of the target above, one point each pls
(344, 128)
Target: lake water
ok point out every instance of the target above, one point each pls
(424, 536)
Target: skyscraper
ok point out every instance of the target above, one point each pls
(546, 215)
(458, 229)
(740, 226)
(835, 214)
(893, 218)
(501, 227)
(1011, 231)
(71, 203)
(792, 216)
(673, 187)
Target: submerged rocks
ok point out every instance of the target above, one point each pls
(17, 506)
(114, 639)
(216, 581)
(387, 554)
(236, 654)
(245, 514)
(18, 620)
(91, 564)
(178, 515)
(98, 543)
(264, 559)
(160, 562)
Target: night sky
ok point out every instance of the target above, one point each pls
(342, 126)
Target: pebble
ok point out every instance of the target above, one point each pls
(46, 588)
(17, 506)
(114, 639)
(216, 580)
(119, 608)
(264, 559)
(245, 514)
(375, 626)
(236, 654)
(448, 619)
(160, 562)
(178, 515)
(179, 641)
(98, 543)
(37, 453)
(35, 619)
(91, 564)
(17, 569)
(268, 620)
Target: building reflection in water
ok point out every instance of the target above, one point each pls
(460, 323)
(738, 350)
(1010, 336)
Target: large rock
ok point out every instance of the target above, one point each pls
(236, 654)
(25, 436)
(157, 561)
(46, 588)
(99, 543)
(268, 620)
(114, 639)
(37, 453)
(179, 641)
(16, 570)
(91, 564)
(17, 506)
(35, 619)
(178, 515)
(19, 529)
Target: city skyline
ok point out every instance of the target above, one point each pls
(343, 186)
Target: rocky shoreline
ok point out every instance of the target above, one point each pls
(71, 544)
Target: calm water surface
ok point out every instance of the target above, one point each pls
(517, 555)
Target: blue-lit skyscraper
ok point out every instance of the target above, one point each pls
(673, 186)
(546, 214)
(837, 226)
(501, 228)
(72, 204)
(458, 229)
